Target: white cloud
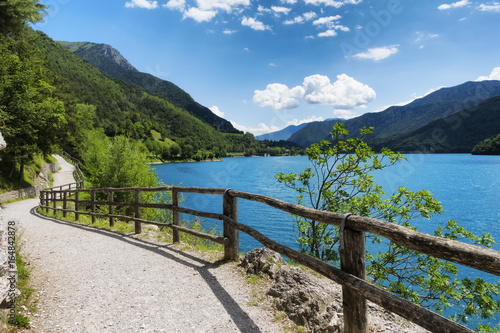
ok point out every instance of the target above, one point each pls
(336, 4)
(297, 122)
(290, 2)
(421, 37)
(278, 96)
(199, 15)
(301, 19)
(254, 24)
(142, 4)
(261, 129)
(217, 111)
(495, 75)
(262, 9)
(378, 53)
(225, 5)
(281, 10)
(328, 21)
(229, 32)
(175, 4)
(457, 4)
(272, 64)
(493, 7)
(328, 33)
(345, 93)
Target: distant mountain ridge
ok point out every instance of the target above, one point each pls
(459, 132)
(283, 134)
(396, 120)
(111, 62)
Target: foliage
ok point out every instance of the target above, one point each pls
(490, 146)
(15, 13)
(116, 162)
(340, 180)
(30, 113)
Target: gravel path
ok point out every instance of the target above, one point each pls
(91, 280)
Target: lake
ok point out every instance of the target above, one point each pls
(467, 186)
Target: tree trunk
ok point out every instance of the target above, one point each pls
(21, 172)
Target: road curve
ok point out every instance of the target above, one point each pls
(92, 280)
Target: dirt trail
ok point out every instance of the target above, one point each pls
(91, 280)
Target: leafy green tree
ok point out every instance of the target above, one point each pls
(340, 180)
(31, 116)
(116, 162)
(15, 13)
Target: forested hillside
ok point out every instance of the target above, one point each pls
(111, 62)
(400, 119)
(52, 99)
(456, 133)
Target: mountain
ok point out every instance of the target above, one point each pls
(399, 119)
(284, 134)
(127, 109)
(111, 62)
(456, 133)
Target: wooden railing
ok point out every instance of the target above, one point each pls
(356, 291)
(77, 174)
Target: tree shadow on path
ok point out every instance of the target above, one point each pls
(237, 314)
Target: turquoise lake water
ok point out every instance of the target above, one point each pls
(467, 186)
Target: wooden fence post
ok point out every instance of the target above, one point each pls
(353, 261)
(92, 205)
(65, 203)
(137, 195)
(175, 216)
(232, 245)
(111, 208)
(54, 198)
(77, 205)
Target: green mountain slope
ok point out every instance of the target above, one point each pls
(111, 62)
(456, 133)
(400, 119)
(124, 108)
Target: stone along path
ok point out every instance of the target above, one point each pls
(91, 280)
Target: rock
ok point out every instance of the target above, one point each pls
(307, 303)
(263, 260)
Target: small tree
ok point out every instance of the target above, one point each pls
(340, 180)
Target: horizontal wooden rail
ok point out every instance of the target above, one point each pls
(350, 277)
(484, 259)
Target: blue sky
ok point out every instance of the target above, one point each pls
(265, 65)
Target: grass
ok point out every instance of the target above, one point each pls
(25, 304)
(31, 171)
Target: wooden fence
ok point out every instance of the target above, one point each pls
(356, 291)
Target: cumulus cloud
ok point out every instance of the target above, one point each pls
(457, 4)
(328, 33)
(175, 4)
(254, 24)
(142, 4)
(345, 93)
(280, 10)
(297, 122)
(278, 96)
(217, 111)
(495, 75)
(328, 21)
(302, 19)
(492, 7)
(331, 23)
(199, 15)
(225, 5)
(334, 3)
(377, 53)
(260, 129)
